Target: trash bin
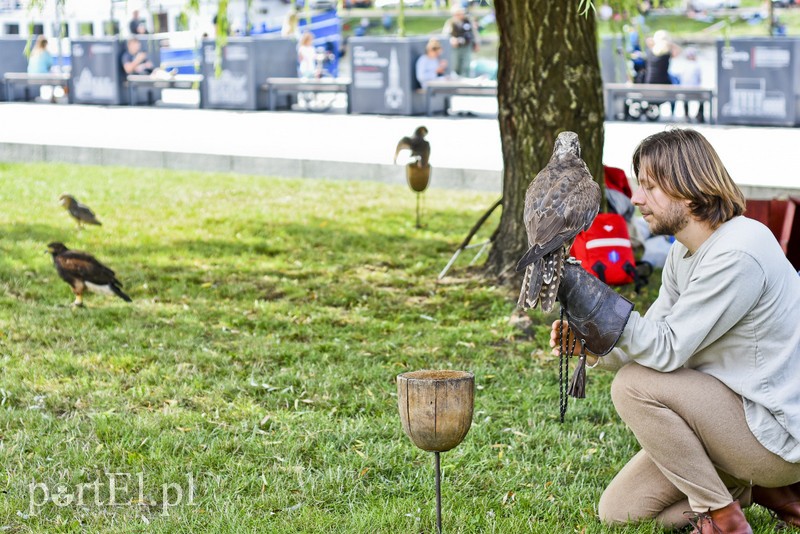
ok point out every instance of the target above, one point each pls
(758, 81)
(97, 72)
(247, 62)
(384, 79)
(12, 59)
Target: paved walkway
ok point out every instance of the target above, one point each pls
(466, 152)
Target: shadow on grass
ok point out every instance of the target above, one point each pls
(319, 247)
(42, 233)
(258, 260)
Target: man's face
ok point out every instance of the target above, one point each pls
(663, 214)
(134, 46)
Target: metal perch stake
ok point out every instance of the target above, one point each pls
(436, 412)
(418, 178)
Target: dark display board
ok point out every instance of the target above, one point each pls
(246, 64)
(758, 81)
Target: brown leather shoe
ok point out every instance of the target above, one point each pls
(728, 520)
(785, 502)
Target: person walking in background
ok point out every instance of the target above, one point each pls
(306, 56)
(40, 60)
(692, 76)
(291, 25)
(463, 34)
(660, 51)
(430, 66)
(707, 378)
(136, 26)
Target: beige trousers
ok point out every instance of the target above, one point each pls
(697, 451)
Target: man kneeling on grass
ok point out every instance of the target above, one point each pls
(708, 378)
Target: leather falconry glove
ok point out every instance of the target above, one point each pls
(596, 314)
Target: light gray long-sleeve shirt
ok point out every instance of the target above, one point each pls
(732, 310)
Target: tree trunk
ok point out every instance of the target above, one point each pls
(548, 81)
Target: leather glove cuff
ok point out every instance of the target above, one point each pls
(596, 313)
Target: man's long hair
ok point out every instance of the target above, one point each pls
(685, 166)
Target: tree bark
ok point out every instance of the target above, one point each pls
(548, 81)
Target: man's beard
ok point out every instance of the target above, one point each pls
(671, 222)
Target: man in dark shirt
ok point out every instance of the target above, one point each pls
(463, 34)
(134, 59)
(136, 25)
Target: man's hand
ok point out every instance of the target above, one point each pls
(555, 333)
(596, 313)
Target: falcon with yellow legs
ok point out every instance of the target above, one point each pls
(83, 272)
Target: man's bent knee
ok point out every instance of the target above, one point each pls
(611, 511)
(625, 380)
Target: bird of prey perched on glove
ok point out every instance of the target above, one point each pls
(419, 147)
(83, 272)
(80, 212)
(561, 201)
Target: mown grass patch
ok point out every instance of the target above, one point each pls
(254, 374)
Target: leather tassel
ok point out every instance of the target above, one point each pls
(577, 386)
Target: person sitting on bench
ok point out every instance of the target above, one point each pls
(134, 59)
(431, 66)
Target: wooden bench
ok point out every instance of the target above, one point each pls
(147, 81)
(618, 95)
(37, 80)
(462, 87)
(293, 86)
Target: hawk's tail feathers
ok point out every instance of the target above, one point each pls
(531, 284)
(551, 273)
(530, 256)
(118, 292)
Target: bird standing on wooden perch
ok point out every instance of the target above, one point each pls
(420, 148)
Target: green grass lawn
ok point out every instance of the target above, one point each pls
(252, 379)
(729, 23)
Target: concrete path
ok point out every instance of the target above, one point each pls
(466, 152)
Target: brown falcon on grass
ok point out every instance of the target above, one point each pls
(83, 272)
(80, 212)
(561, 201)
(419, 147)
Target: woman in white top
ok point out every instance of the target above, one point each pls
(306, 56)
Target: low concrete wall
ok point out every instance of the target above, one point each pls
(441, 178)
